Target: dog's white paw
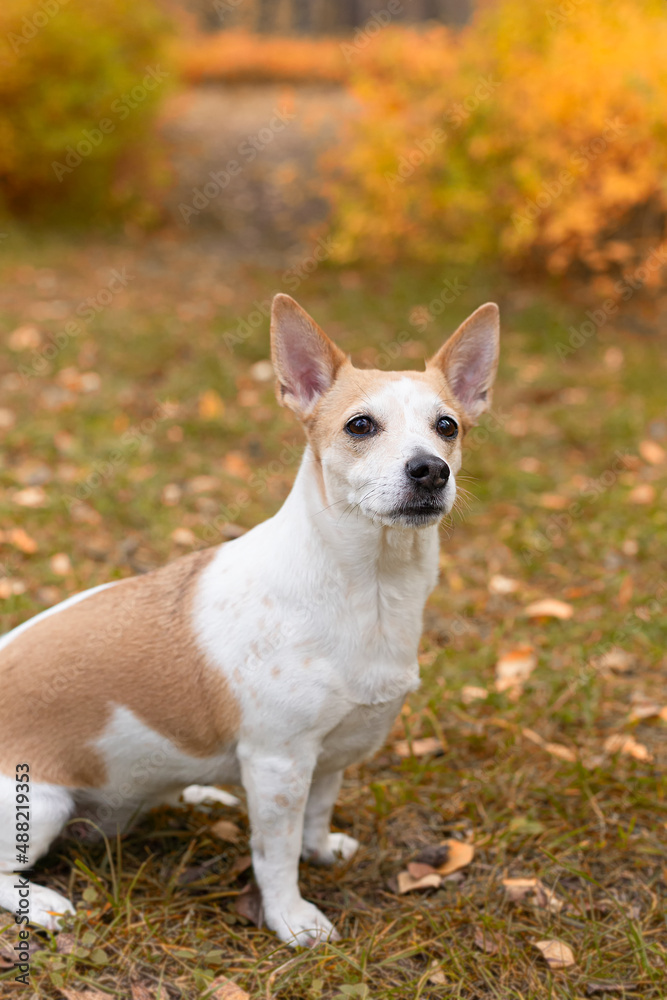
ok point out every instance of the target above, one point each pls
(338, 847)
(47, 907)
(194, 795)
(303, 925)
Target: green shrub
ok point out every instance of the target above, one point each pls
(80, 81)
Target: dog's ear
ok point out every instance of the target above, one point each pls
(304, 359)
(469, 360)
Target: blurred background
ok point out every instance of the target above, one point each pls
(165, 168)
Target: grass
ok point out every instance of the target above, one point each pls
(114, 472)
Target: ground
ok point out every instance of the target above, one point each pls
(133, 438)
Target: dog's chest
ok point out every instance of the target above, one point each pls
(358, 735)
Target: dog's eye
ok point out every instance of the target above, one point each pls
(360, 426)
(446, 427)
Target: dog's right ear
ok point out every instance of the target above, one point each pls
(304, 359)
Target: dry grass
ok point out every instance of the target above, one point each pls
(157, 908)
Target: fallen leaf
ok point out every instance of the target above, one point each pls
(646, 710)
(211, 405)
(652, 452)
(517, 889)
(486, 941)
(644, 493)
(406, 883)
(459, 856)
(616, 659)
(561, 751)
(7, 418)
(470, 693)
(60, 564)
(533, 891)
(417, 869)
(513, 668)
(554, 501)
(31, 496)
(24, 338)
(418, 748)
(183, 536)
(22, 541)
(499, 584)
(550, 607)
(437, 978)
(627, 746)
(558, 955)
(224, 829)
(240, 865)
(235, 465)
(262, 371)
(249, 904)
(225, 989)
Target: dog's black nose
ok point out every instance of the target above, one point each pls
(427, 470)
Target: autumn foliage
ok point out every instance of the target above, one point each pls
(80, 81)
(239, 56)
(537, 135)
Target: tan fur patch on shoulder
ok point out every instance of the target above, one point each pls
(131, 645)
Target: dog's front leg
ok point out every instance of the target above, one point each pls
(320, 846)
(277, 790)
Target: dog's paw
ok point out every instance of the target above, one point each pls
(303, 925)
(194, 795)
(338, 847)
(47, 907)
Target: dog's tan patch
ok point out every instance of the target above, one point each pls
(131, 645)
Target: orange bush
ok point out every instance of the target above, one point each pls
(537, 134)
(242, 57)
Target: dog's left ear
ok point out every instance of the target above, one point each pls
(305, 361)
(469, 359)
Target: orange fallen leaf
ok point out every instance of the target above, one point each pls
(652, 452)
(459, 855)
(550, 607)
(627, 746)
(21, 540)
(60, 564)
(429, 744)
(644, 493)
(224, 829)
(554, 501)
(211, 405)
(513, 668)
(518, 889)
(235, 465)
(557, 954)
(560, 751)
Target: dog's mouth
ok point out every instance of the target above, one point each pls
(417, 515)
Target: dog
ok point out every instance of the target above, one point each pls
(273, 661)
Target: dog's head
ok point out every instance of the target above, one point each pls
(386, 444)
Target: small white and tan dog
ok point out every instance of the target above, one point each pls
(275, 660)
